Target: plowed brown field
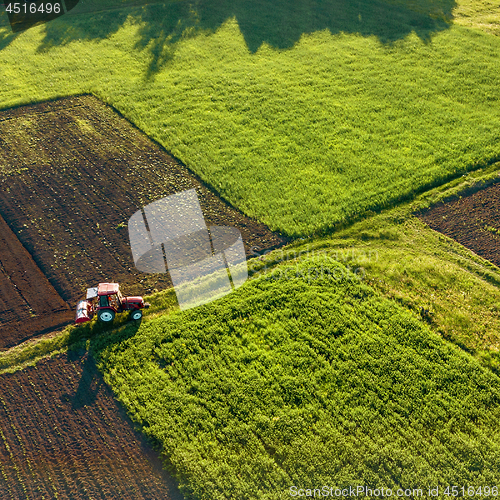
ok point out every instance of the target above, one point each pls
(63, 436)
(473, 221)
(29, 305)
(72, 172)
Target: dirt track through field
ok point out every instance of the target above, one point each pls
(473, 221)
(64, 436)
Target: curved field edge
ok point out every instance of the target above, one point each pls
(292, 373)
(393, 251)
(306, 379)
(303, 138)
(262, 382)
(449, 287)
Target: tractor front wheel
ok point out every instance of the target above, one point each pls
(135, 315)
(106, 315)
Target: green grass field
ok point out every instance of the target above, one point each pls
(310, 380)
(308, 116)
(420, 269)
(302, 115)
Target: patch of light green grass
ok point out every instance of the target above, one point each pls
(484, 15)
(449, 287)
(304, 125)
(306, 382)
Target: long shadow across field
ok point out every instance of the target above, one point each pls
(91, 383)
(102, 337)
(279, 23)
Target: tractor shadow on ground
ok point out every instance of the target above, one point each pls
(90, 382)
(87, 342)
(278, 23)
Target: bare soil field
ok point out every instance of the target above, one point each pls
(29, 305)
(473, 221)
(72, 172)
(62, 435)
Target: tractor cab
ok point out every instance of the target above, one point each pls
(106, 300)
(109, 295)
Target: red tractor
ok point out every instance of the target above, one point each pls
(106, 300)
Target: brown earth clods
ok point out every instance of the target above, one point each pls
(28, 302)
(62, 435)
(473, 221)
(72, 172)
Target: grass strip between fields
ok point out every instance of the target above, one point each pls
(394, 252)
(360, 383)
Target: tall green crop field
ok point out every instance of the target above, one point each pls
(305, 377)
(303, 114)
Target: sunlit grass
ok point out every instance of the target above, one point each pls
(248, 386)
(484, 15)
(306, 380)
(302, 138)
(449, 287)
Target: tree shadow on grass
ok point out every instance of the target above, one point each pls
(6, 34)
(278, 23)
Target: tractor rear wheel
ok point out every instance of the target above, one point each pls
(135, 315)
(106, 315)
